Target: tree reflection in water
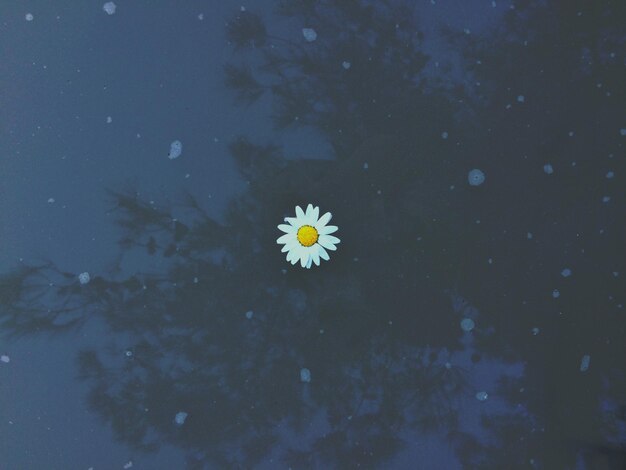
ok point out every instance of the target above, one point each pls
(378, 326)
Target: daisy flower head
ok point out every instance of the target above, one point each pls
(308, 236)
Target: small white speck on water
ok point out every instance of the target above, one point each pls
(444, 135)
(176, 149)
(180, 418)
(365, 166)
(109, 119)
(610, 175)
(200, 16)
(556, 294)
(109, 8)
(584, 363)
(547, 168)
(606, 199)
(84, 278)
(482, 396)
(571, 133)
(345, 64)
(249, 314)
(309, 34)
(305, 375)
(535, 331)
(529, 236)
(521, 99)
(566, 272)
(51, 200)
(4, 358)
(29, 17)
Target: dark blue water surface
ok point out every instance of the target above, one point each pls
(472, 155)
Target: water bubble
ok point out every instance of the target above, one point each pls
(4, 358)
(467, 324)
(249, 314)
(305, 375)
(520, 99)
(475, 177)
(566, 272)
(482, 396)
(547, 168)
(444, 135)
(345, 64)
(29, 17)
(556, 294)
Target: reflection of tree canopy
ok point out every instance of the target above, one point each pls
(374, 325)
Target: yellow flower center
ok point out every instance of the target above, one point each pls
(307, 235)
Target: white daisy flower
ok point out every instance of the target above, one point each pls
(307, 236)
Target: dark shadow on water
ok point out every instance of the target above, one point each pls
(378, 325)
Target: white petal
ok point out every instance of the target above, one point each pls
(323, 253)
(308, 263)
(292, 220)
(327, 230)
(286, 228)
(299, 212)
(286, 238)
(323, 220)
(304, 258)
(315, 256)
(331, 239)
(289, 246)
(312, 214)
(323, 241)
